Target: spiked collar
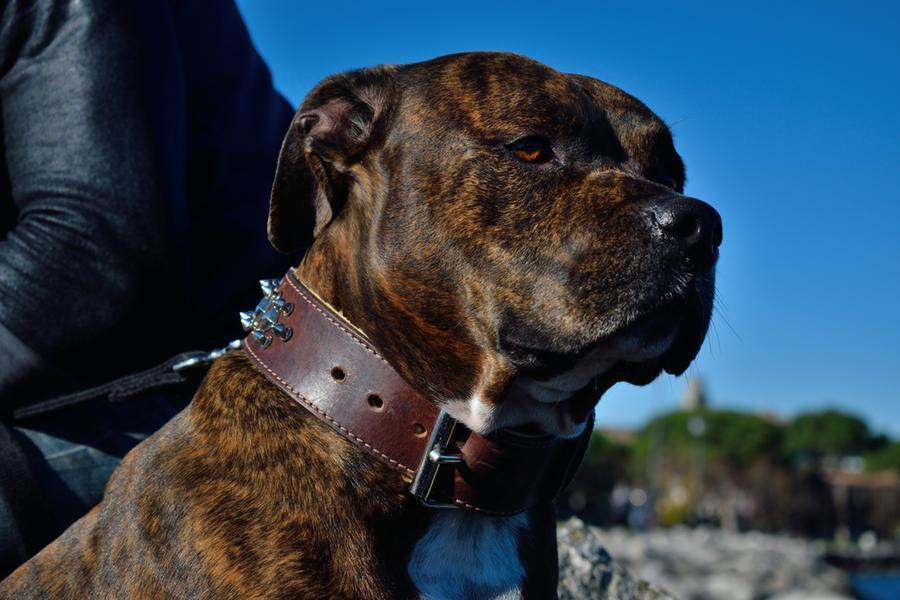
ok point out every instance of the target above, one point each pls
(329, 367)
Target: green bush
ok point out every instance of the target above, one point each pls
(826, 433)
(730, 435)
(887, 457)
(601, 449)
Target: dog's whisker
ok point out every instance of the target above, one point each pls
(720, 315)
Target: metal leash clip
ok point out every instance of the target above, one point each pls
(437, 453)
(261, 323)
(201, 359)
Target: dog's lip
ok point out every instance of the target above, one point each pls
(563, 390)
(626, 355)
(526, 430)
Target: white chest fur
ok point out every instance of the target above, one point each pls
(465, 555)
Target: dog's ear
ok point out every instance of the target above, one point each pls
(341, 118)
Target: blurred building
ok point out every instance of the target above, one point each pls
(694, 397)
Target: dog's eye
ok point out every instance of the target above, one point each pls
(532, 150)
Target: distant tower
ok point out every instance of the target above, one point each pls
(694, 398)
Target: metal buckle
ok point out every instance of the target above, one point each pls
(436, 454)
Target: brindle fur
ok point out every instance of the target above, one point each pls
(463, 265)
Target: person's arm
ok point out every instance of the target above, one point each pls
(92, 126)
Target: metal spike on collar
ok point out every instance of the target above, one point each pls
(269, 287)
(262, 323)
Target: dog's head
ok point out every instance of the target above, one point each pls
(513, 239)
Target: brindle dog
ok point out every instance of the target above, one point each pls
(514, 240)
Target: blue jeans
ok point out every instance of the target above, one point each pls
(72, 452)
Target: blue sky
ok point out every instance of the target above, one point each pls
(788, 118)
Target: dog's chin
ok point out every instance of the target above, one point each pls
(559, 403)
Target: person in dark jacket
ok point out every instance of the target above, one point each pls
(139, 142)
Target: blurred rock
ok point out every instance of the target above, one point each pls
(692, 564)
(586, 571)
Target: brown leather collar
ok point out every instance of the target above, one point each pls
(329, 367)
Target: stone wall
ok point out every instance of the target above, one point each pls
(692, 564)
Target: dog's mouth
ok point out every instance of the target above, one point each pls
(558, 394)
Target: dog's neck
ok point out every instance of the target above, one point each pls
(344, 279)
(420, 331)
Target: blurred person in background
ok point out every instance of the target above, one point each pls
(139, 141)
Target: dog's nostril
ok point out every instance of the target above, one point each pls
(419, 430)
(375, 401)
(338, 374)
(684, 225)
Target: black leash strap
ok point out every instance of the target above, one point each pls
(177, 370)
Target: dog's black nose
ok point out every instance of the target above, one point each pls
(694, 224)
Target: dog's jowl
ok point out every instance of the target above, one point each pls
(495, 244)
